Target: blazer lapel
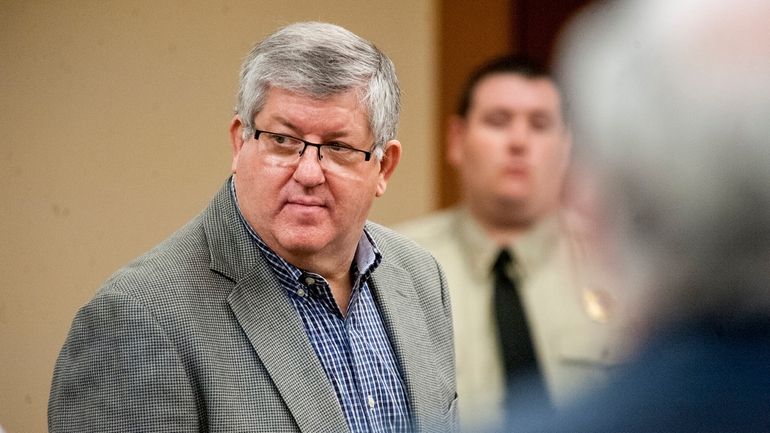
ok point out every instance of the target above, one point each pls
(404, 318)
(278, 336)
(270, 322)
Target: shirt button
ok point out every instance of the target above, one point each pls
(370, 400)
(309, 281)
(301, 292)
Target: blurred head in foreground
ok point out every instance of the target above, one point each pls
(671, 107)
(671, 103)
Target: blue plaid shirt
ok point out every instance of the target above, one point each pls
(354, 350)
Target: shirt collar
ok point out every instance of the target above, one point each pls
(480, 250)
(533, 248)
(529, 250)
(367, 257)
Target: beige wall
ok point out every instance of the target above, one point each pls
(113, 121)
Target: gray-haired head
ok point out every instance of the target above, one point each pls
(321, 60)
(671, 103)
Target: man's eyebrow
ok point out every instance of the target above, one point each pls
(285, 122)
(541, 113)
(496, 111)
(337, 135)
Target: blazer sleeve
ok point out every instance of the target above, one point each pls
(118, 371)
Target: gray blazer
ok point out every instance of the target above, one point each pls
(198, 335)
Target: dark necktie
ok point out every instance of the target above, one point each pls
(515, 340)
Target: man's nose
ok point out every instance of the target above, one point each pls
(309, 171)
(519, 135)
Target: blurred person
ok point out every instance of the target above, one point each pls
(671, 105)
(280, 307)
(510, 145)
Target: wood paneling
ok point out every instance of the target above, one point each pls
(537, 24)
(470, 33)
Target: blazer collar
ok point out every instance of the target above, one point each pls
(232, 252)
(269, 321)
(276, 333)
(401, 310)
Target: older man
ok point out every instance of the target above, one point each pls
(279, 308)
(522, 300)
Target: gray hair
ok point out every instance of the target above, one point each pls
(321, 60)
(671, 103)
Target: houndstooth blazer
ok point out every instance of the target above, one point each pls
(198, 335)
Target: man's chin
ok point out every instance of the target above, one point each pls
(303, 240)
(513, 199)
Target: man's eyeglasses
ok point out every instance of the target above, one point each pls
(287, 150)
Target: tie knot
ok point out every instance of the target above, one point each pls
(503, 260)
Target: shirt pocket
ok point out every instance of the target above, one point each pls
(592, 349)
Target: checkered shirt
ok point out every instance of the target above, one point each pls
(354, 350)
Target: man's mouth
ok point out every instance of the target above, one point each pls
(307, 202)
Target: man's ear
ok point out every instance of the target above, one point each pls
(455, 136)
(236, 139)
(390, 159)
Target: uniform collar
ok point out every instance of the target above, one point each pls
(529, 250)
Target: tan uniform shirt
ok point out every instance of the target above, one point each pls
(575, 334)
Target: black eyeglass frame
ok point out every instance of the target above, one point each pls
(367, 154)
